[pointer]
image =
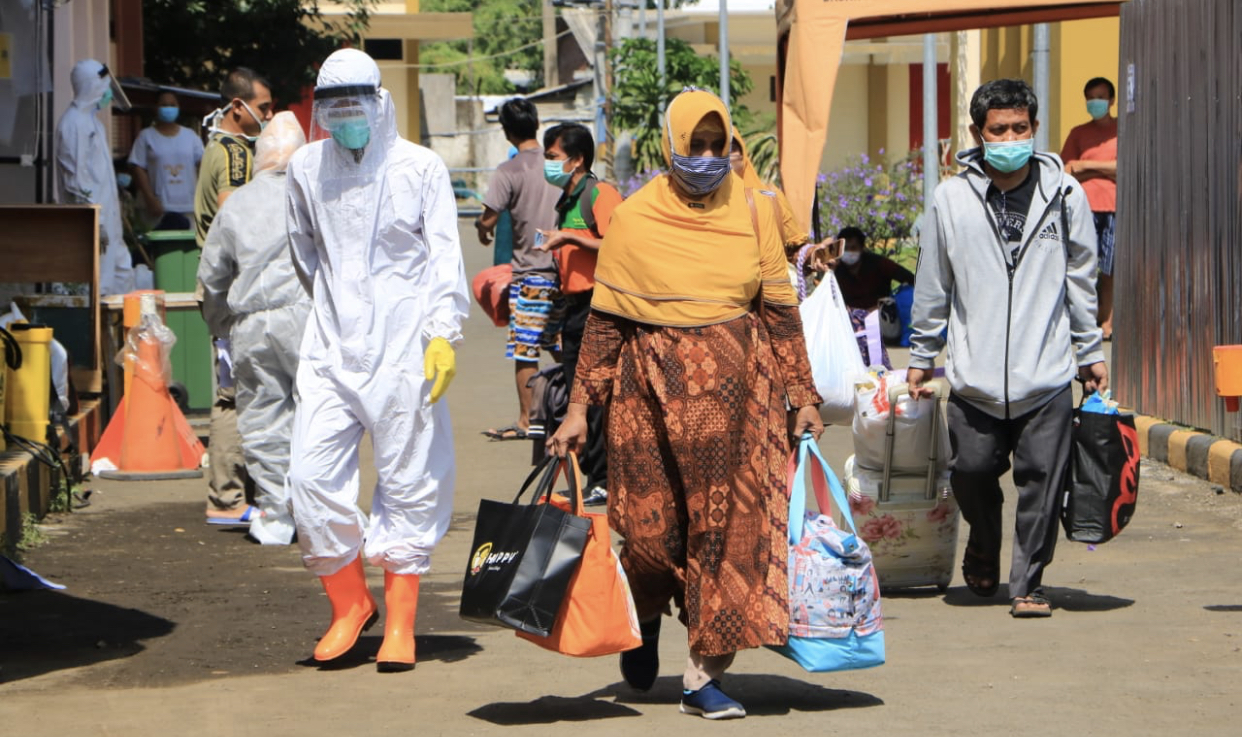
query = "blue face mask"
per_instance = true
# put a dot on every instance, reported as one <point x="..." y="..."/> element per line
<point x="352" y="134"/>
<point x="700" y="175"/>
<point x="1008" y="156"/>
<point x="1097" y="108"/>
<point x="167" y="113"/>
<point x="555" y="174"/>
<point x="106" y="100"/>
<point x="124" y="180"/>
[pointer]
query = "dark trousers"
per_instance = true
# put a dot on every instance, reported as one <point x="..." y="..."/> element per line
<point x="594" y="458"/>
<point x="1039" y="443"/>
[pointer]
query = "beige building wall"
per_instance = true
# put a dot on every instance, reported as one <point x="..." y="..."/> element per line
<point x="1088" y="48"/>
<point x="848" y="131"/>
<point x="897" y="99"/>
<point x="1079" y="51"/>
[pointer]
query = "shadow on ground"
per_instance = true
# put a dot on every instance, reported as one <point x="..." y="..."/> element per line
<point x="1070" y="600"/>
<point x="45" y="631"/>
<point x="427" y="648"/>
<point x="763" y="695"/>
<point x="238" y="608"/>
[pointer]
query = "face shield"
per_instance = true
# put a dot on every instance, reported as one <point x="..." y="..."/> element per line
<point x="113" y="92"/>
<point x="348" y="114"/>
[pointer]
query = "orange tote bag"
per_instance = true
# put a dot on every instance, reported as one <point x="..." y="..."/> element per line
<point x="597" y="616"/>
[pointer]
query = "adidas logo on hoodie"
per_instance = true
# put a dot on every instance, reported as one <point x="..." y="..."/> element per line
<point x="1050" y="232"/>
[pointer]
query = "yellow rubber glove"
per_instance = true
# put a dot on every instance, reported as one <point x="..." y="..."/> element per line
<point x="439" y="366"/>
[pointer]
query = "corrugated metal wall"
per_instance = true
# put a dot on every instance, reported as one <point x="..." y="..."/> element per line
<point x="1179" y="232"/>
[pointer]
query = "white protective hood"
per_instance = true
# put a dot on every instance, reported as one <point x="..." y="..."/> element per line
<point x="84" y="172"/>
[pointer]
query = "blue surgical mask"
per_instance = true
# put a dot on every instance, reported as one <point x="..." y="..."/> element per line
<point x="352" y="134"/>
<point x="106" y="100"/>
<point x="554" y="172"/>
<point x="1008" y="156"/>
<point x="1097" y="108"/>
<point x="167" y="113"/>
<point x="700" y="175"/>
<point x="124" y="180"/>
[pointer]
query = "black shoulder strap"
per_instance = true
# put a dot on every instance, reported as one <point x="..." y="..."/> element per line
<point x="1065" y="231"/>
<point x="586" y="205"/>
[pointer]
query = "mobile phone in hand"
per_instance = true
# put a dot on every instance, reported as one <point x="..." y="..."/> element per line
<point x="834" y="248"/>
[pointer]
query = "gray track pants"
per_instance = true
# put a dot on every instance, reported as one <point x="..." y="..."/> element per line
<point x="1039" y="443"/>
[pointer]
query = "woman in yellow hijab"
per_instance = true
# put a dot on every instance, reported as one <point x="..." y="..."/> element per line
<point x="694" y="344"/>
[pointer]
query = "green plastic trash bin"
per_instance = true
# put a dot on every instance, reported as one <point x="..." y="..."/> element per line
<point x="176" y="270"/>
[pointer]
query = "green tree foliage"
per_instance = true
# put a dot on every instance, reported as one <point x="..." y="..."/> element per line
<point x="638" y="99"/>
<point x="193" y="43"/>
<point x="507" y="35"/>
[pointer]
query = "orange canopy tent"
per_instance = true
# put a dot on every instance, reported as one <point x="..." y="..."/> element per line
<point x="812" y="36"/>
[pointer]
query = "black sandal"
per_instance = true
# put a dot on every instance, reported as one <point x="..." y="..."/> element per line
<point x="1033" y="605"/>
<point x="978" y="570"/>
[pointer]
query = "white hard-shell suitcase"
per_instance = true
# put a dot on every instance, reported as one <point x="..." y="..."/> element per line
<point x="909" y="521"/>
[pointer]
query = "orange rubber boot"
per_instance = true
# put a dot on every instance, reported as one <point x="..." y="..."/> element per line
<point x="401" y="602"/>
<point x="353" y="610"/>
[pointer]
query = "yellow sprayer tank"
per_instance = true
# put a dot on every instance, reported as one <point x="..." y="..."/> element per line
<point x="28" y="389"/>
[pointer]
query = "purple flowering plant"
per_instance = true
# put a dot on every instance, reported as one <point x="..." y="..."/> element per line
<point x="883" y="199"/>
<point x="636" y="182"/>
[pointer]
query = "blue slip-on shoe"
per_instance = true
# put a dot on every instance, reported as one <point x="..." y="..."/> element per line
<point x="710" y="702"/>
<point x="596" y="497"/>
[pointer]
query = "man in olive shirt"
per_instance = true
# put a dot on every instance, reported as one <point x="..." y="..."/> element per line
<point x="227" y="166"/>
<point x="226" y="160"/>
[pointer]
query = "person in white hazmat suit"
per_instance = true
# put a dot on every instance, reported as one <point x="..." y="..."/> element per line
<point x="84" y="173"/>
<point x="373" y="231"/>
<point x="252" y="294"/>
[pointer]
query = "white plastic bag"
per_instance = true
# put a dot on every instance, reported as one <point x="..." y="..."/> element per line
<point x="911" y="431"/>
<point x="836" y="362"/>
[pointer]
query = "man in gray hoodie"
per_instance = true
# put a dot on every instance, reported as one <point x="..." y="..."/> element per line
<point x="1007" y="263"/>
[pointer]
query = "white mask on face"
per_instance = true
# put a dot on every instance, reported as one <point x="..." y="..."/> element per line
<point x="849" y="258"/>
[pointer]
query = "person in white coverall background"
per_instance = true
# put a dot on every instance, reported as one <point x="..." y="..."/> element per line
<point x="252" y="294"/>
<point x="84" y="172"/>
<point x="373" y="231"/>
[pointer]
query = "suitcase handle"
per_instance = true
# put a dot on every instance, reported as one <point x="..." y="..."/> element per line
<point x="895" y="392"/>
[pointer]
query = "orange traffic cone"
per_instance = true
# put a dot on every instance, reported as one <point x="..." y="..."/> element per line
<point x="156" y="442"/>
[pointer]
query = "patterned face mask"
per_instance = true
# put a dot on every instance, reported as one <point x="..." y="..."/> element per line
<point x="700" y="175"/>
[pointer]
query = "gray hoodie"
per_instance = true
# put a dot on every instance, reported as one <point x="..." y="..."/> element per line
<point x="1018" y="330"/>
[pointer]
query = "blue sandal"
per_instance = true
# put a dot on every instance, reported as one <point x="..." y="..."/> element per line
<point x="244" y="519"/>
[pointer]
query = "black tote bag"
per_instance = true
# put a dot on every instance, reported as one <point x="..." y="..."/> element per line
<point x="1102" y="490"/>
<point x="522" y="557"/>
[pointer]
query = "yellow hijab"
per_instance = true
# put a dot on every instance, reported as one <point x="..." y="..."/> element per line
<point x="792" y="235"/>
<point x="680" y="261"/>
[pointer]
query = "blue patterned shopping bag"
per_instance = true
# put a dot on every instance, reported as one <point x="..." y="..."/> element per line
<point x="834" y="595"/>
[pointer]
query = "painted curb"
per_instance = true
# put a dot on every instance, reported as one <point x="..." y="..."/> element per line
<point x="1197" y="453"/>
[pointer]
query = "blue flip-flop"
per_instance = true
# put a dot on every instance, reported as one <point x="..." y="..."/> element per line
<point x="249" y="514"/>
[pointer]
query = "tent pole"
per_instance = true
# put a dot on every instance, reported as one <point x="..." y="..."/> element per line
<point x="1039" y="54"/>
<point x="724" y="53"/>
<point x="931" y="132"/>
<point x="660" y="49"/>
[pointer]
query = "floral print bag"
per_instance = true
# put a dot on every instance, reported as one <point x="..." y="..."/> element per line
<point x="834" y="596"/>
